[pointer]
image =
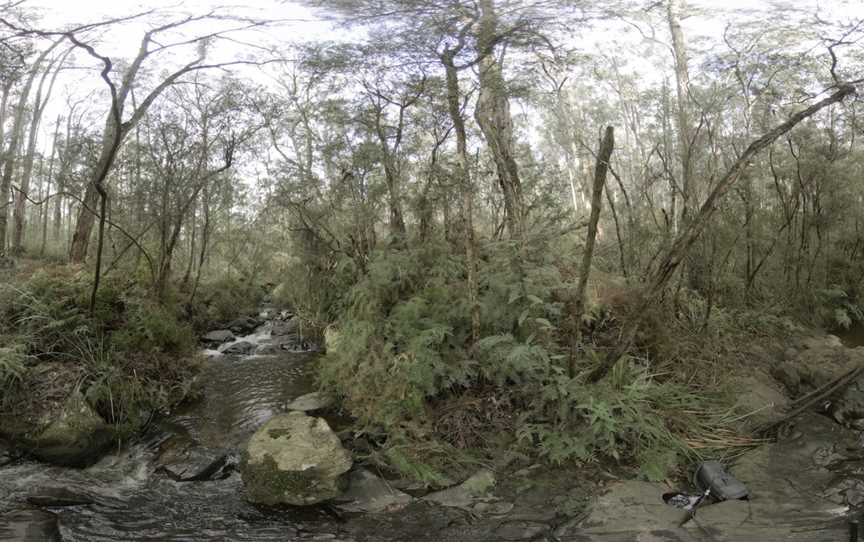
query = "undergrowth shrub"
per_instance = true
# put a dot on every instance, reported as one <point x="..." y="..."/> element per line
<point x="399" y="357"/>
<point x="132" y="356"/>
<point x="13" y="366"/>
<point x="836" y="309"/>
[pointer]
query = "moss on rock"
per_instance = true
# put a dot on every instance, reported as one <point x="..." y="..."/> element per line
<point x="294" y="459"/>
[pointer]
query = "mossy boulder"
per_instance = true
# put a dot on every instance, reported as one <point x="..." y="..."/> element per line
<point x="74" y="435"/>
<point x="294" y="459"/>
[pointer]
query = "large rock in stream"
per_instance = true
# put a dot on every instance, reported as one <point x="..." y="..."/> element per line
<point x="217" y="337"/>
<point x="242" y="348"/>
<point x="73" y="436"/>
<point x="294" y="459"/>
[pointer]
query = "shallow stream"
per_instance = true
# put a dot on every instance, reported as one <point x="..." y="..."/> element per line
<point x="132" y="501"/>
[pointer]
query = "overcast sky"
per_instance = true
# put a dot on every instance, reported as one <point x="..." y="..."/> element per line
<point x="302" y="25"/>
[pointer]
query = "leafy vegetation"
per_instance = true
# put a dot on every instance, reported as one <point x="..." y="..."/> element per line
<point x="429" y="195"/>
<point x="132" y="357"/>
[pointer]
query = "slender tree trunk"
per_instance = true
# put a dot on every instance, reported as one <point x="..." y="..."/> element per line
<point x="10" y="160"/>
<point x="463" y="174"/>
<point x="19" y="217"/>
<point x="600" y="171"/>
<point x="682" y="87"/>
<point x="46" y="202"/>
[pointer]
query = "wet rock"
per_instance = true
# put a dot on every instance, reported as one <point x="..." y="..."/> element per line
<point x="241" y="348"/>
<point x="369" y="493"/>
<point x="466" y="494"/>
<point x="311" y="402"/>
<point x="219" y="336"/>
<point x="520" y="530"/>
<point x="183" y="460"/>
<point x="282" y="328"/>
<point x="59" y="497"/>
<point x="760" y="400"/>
<point x="244" y="325"/>
<point x="822" y="341"/>
<point x="788" y="374"/>
<point x="73" y="436"/>
<point x="269" y="349"/>
<point x="632" y="507"/>
<point x="29" y="526"/>
<point x="496" y="508"/>
<point x="294" y="459"/>
<point x="848" y="406"/>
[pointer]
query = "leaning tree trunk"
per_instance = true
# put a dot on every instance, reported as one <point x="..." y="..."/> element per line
<point x="600" y="171"/>
<point x="694" y="228"/>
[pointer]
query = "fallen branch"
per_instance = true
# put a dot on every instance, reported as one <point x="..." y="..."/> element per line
<point x="802" y="404"/>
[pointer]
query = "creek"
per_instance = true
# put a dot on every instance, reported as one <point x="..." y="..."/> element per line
<point x="804" y="486"/>
<point x="130" y="500"/>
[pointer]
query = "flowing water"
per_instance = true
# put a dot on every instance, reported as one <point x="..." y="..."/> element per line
<point x="131" y="500"/>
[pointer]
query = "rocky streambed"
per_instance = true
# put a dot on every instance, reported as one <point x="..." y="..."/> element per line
<point x="181" y="480"/>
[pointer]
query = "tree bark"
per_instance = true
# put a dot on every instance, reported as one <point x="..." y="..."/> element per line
<point x="682" y="87"/>
<point x="463" y="174"/>
<point x="10" y="159"/>
<point x="45" y="204"/>
<point x="19" y="217"/>
<point x="600" y="171"/>
<point x="493" y="116"/>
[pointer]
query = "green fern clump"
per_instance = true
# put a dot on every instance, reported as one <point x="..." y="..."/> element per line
<point x="13" y="365"/>
<point x="48" y="311"/>
<point x="130" y="355"/>
<point x="399" y="343"/>
<point x="152" y="327"/>
<point x="629" y="417"/>
<point x="403" y="340"/>
<point x="837" y="309"/>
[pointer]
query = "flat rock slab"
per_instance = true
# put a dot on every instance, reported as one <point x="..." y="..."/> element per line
<point x="786" y="479"/>
<point x="218" y="336"/>
<point x="311" y="402"/>
<point x="467" y="494"/>
<point x="369" y="493"/>
<point x="184" y="460"/>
